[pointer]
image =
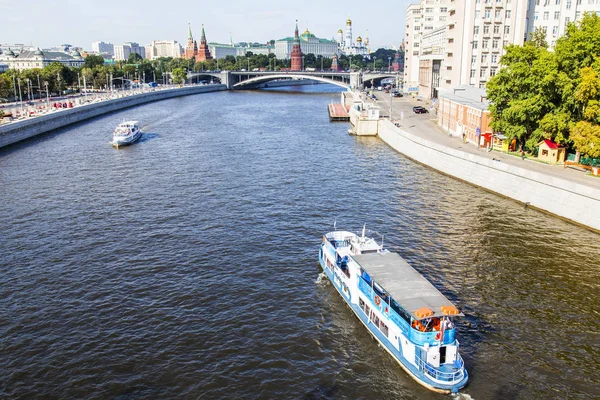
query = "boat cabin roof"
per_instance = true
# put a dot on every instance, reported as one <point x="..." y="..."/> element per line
<point x="128" y="123"/>
<point x="408" y="287"/>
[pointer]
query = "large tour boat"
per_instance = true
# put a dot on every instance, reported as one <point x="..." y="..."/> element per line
<point x="402" y="310"/>
<point x="126" y="133"/>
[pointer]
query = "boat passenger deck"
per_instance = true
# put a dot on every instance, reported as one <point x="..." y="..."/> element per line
<point x="401" y="281"/>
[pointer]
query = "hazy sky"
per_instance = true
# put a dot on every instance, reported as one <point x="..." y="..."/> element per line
<point x="46" y="23"/>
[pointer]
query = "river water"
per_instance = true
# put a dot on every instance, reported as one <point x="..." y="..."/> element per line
<point x="185" y="266"/>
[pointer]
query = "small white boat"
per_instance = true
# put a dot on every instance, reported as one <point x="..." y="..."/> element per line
<point x="127" y="132"/>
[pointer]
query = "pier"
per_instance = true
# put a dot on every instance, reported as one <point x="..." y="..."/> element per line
<point x="338" y="112"/>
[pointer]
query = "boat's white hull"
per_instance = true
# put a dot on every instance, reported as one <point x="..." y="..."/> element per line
<point x="125" y="141"/>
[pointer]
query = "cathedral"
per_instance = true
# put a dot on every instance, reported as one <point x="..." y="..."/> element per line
<point x="345" y="44"/>
<point x="192" y="50"/>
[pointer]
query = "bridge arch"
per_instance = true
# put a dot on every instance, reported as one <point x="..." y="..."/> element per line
<point x="267" y="78"/>
<point x="195" y="77"/>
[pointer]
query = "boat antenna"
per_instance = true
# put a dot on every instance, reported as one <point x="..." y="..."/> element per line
<point x="363" y="232"/>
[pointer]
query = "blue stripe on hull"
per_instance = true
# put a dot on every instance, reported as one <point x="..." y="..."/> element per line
<point x="417" y="375"/>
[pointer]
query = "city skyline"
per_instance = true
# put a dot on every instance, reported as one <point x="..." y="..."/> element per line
<point x="258" y="21"/>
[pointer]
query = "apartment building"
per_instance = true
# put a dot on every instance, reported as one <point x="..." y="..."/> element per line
<point x="553" y="16"/>
<point x="459" y="42"/>
<point x="421" y="19"/>
<point x="478" y="32"/>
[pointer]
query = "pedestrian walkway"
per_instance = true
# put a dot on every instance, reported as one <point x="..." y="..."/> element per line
<point x="425" y="126"/>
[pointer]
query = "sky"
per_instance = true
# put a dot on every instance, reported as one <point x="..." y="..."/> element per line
<point x="45" y="24"/>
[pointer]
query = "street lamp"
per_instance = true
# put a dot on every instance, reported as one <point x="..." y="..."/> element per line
<point x="302" y="63"/>
<point x="20" y="96"/>
<point x="389" y="64"/>
<point x="47" y="97"/>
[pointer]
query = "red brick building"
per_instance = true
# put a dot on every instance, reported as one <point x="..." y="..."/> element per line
<point x="203" y="51"/>
<point x="192" y="50"/>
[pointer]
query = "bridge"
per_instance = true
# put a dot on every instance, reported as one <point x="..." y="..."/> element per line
<point x="257" y="79"/>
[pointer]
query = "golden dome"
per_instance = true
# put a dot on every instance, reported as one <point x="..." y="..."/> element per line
<point x="349" y="22"/>
<point x="340" y="31"/>
<point x="359" y="39"/>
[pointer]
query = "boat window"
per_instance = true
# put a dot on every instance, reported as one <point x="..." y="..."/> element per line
<point x="401" y="312"/>
<point x="384" y="329"/>
<point x="369" y="251"/>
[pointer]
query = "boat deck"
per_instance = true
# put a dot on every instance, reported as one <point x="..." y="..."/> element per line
<point x="408" y="287"/>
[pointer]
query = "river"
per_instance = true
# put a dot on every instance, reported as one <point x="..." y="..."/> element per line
<point x="185" y="266"/>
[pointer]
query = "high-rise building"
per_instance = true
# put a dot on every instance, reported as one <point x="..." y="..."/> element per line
<point x="553" y="16"/>
<point x="103" y="48"/>
<point x="122" y="52"/>
<point x="422" y="19"/>
<point x="296" y="54"/>
<point x="459" y="44"/>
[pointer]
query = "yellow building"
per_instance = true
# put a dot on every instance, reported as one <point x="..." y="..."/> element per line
<point x="551" y="152"/>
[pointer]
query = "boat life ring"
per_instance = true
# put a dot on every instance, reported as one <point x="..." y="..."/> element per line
<point x="438" y="336"/>
<point x="377" y="300"/>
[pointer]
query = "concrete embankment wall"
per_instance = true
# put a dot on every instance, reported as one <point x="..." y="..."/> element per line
<point x="18" y="131"/>
<point x="570" y="200"/>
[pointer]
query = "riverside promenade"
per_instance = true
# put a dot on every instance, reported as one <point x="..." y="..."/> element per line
<point x="28" y="127"/>
<point x="566" y="192"/>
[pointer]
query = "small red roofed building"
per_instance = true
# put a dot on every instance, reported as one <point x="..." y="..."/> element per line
<point x="551" y="152"/>
<point x="334" y="63"/>
<point x="296" y="54"/>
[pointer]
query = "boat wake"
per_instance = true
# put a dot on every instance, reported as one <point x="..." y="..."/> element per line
<point x="321" y="278"/>
<point x="461" y="396"/>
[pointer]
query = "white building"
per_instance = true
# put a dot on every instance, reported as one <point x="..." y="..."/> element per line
<point x="472" y="35"/>
<point x="163" y="48"/>
<point x="103" y="48"/>
<point x="309" y="43"/>
<point x="553" y="16"/>
<point x="122" y="52"/>
<point x="423" y="19"/>
<point x="39" y="59"/>
<point x="349" y="47"/>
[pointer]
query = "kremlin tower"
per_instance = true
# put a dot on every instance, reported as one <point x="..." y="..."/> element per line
<point x="191" y="49"/>
<point x="296" y="53"/>
<point x="203" y="51"/>
<point x="334" y="64"/>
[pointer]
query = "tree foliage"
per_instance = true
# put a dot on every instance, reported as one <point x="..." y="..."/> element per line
<point x="539" y="94"/>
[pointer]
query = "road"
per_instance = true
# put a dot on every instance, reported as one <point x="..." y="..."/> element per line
<point x="425" y="125"/>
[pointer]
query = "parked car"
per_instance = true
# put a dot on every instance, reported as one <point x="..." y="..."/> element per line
<point x="397" y="94"/>
<point x="420" y="110"/>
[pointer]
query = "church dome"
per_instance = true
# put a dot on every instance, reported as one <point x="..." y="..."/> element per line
<point x="340" y="31"/>
<point x="359" y="39"/>
<point x="349" y="22"/>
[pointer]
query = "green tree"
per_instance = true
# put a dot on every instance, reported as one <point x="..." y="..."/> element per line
<point x="92" y="61"/>
<point x="523" y="92"/>
<point x="134" y="58"/>
<point x="179" y="75"/>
